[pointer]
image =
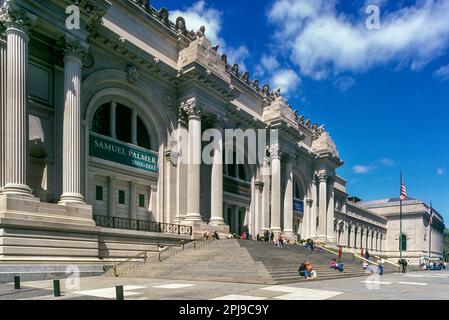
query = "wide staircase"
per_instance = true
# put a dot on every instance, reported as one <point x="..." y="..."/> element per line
<point x="222" y="260"/>
<point x="283" y="263"/>
<point x="244" y="261"/>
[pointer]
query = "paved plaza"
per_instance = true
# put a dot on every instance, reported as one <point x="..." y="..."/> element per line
<point x="421" y="285"/>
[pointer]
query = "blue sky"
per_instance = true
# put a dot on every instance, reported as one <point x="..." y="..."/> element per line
<point x="383" y="94"/>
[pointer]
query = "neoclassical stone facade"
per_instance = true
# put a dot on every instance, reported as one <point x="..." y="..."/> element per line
<point x="88" y="121"/>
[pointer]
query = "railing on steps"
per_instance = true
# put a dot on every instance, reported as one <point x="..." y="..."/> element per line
<point x="163" y="255"/>
<point x="171" y="252"/>
<point x="354" y="255"/>
<point x="131" y="263"/>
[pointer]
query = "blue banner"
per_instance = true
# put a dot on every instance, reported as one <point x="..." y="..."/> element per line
<point x="298" y="205"/>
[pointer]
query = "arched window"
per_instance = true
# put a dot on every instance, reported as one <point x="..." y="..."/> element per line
<point x="403" y="242"/>
<point x="123" y="123"/>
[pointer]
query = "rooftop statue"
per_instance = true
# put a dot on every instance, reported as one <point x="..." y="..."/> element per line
<point x="181" y="25"/>
<point x="163" y="15"/>
<point x="224" y="58"/>
<point x="256" y="85"/>
<point x="201" y="32"/>
<point x="235" y="69"/>
<point x="266" y="89"/>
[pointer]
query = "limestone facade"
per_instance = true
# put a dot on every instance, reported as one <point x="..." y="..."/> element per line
<point x="88" y="121"/>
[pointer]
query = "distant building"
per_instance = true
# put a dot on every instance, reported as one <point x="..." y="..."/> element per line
<point x="417" y="234"/>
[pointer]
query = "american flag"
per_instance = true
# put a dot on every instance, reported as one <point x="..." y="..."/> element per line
<point x="403" y="191"/>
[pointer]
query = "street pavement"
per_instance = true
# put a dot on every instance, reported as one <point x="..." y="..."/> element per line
<point x="422" y="285"/>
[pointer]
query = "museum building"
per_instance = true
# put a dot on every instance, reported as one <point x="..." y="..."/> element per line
<point x="88" y="121"/>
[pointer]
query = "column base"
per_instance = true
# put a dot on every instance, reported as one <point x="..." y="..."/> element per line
<point x="193" y="217"/>
<point x="179" y="220"/>
<point x="217" y="222"/>
<point x="276" y="231"/>
<point x="71" y="198"/>
<point x="290" y="235"/>
<point x="17" y="189"/>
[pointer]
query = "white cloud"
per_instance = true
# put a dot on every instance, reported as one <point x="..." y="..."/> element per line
<point x="441" y="171"/>
<point x="442" y="72"/>
<point x="361" y="169"/>
<point x="344" y="84"/>
<point x="386" y="162"/>
<point x="322" y="41"/>
<point x="364" y="169"/>
<point x="286" y="79"/>
<point x="199" y="14"/>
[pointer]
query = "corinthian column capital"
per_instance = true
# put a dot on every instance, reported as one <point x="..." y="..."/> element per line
<point x="321" y="176"/>
<point x="14" y="17"/>
<point x="190" y="109"/>
<point x="73" y="48"/>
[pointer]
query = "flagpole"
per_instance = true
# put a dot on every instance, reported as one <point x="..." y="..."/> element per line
<point x="430" y="230"/>
<point x="400" y="219"/>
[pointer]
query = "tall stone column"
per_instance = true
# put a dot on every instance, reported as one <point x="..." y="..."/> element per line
<point x="288" y="199"/>
<point x="71" y="163"/>
<point x="322" y="223"/>
<point x="3" y="55"/>
<point x="330" y="209"/>
<point x="275" y="190"/>
<point x="308" y="216"/>
<point x="181" y="171"/>
<point x="314" y="210"/>
<point x="194" y="162"/>
<point x="217" y="183"/>
<point x="352" y="237"/>
<point x="17" y="23"/>
<point x="265" y="173"/>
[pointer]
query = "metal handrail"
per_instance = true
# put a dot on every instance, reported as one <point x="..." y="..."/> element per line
<point x="171" y="252"/>
<point x="134" y="265"/>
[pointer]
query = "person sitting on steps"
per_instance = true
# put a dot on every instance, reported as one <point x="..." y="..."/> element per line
<point x="337" y="266"/>
<point x="302" y="271"/>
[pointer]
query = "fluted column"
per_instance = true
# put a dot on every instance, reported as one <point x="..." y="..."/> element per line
<point x="265" y="173"/>
<point x="313" y="214"/>
<point x="352" y="237"/>
<point x="181" y="171"/>
<point x="194" y="162"/>
<point x="3" y="55"/>
<point x="330" y="208"/>
<point x="288" y="199"/>
<point x="217" y="183"/>
<point x="322" y="223"/>
<point x="71" y="163"/>
<point x="275" y="190"/>
<point x="17" y="24"/>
